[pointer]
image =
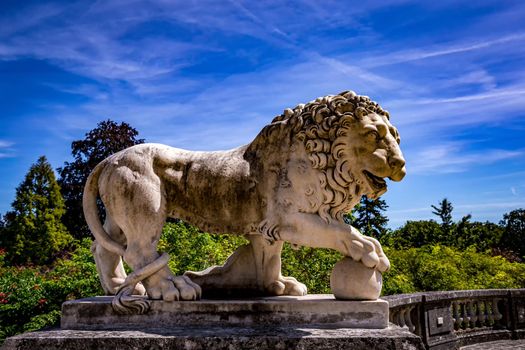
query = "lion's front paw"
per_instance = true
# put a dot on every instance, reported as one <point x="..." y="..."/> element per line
<point x="287" y="286"/>
<point x="164" y="285"/>
<point x="368" y="250"/>
<point x="384" y="264"/>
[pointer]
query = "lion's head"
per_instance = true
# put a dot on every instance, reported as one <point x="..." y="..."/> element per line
<point x="350" y="141"/>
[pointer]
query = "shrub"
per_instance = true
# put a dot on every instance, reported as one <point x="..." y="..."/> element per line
<point x="433" y="268"/>
<point x="192" y="250"/>
<point x="31" y="297"/>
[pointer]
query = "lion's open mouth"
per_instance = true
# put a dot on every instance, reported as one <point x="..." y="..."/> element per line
<point x="376" y="183"/>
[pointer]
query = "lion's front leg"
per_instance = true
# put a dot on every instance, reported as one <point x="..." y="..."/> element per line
<point x="311" y="231"/>
<point x="267" y="258"/>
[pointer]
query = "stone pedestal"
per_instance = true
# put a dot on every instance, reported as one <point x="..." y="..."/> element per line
<point x="223" y="338"/>
<point x="309" y="322"/>
<point x="317" y="309"/>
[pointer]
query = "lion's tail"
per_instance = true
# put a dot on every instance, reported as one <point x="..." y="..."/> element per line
<point x="89" y="203"/>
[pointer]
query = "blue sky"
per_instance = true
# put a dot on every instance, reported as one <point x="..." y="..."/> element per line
<point x="208" y="75"/>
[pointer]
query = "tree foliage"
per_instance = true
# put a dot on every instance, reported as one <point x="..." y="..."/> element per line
<point x="194" y="250"/>
<point x="414" y="234"/>
<point x="31" y="297"/>
<point x="107" y="138"/>
<point x="369" y="218"/>
<point x="482" y="236"/>
<point x="514" y="231"/>
<point x="437" y="267"/>
<point x="33" y="230"/>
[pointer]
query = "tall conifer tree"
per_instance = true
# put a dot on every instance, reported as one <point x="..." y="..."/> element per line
<point x="368" y="217"/>
<point x="33" y="230"/>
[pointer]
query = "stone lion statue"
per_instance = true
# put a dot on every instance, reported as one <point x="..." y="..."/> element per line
<point x="293" y="183"/>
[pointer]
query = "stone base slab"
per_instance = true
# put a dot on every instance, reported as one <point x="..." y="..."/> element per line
<point x="227" y="338"/>
<point x="318" y="309"/>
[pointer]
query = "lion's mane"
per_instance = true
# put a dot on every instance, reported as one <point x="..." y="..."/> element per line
<point x="322" y="125"/>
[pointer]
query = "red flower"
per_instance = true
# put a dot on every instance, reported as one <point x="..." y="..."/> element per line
<point x="42" y="301"/>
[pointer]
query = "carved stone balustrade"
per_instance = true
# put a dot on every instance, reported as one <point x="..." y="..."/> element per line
<point x="447" y="320"/>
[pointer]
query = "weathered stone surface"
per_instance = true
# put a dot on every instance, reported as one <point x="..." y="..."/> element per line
<point x="497" y="345"/>
<point x="294" y="182"/>
<point x="97" y="313"/>
<point x="454" y="319"/>
<point x="227" y="338"/>
<point x="351" y="280"/>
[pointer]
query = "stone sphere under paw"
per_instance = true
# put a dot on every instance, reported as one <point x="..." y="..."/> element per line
<point x="352" y="280"/>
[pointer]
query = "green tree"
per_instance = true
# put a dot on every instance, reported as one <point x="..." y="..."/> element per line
<point x="444" y="211"/>
<point x="514" y="231"/>
<point x="414" y="234"/>
<point x="34" y="231"/>
<point x="483" y="236"/>
<point x="107" y="138"/>
<point x="369" y="217"/>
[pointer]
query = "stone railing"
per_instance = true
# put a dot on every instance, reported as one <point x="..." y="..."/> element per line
<point x="447" y="320"/>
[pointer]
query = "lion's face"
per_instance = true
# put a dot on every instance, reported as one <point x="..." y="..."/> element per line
<point x="375" y="145"/>
<point x="350" y="145"/>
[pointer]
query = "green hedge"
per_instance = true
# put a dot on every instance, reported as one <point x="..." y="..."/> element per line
<point x="31" y="297"/>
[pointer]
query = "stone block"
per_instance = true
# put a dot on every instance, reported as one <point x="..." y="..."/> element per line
<point x="223" y="338"/>
<point x="318" y="309"/>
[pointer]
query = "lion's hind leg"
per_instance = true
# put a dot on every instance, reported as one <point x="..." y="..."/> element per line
<point x="109" y="265"/>
<point x="141" y="251"/>
<point x="141" y="220"/>
<point x="134" y="198"/>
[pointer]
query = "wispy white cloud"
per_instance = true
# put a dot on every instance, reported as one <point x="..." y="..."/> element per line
<point x="25" y="20"/>
<point x="6" y="150"/>
<point x="491" y="206"/>
<point x="454" y="158"/>
<point x="450" y="113"/>
<point x="5" y="144"/>
<point x="91" y="46"/>
<point x="437" y="51"/>
<point x="462" y="207"/>
<point x="494" y="94"/>
<point x="477" y="77"/>
<point x="239" y="105"/>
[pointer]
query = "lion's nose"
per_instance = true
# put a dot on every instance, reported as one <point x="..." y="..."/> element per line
<point x="396" y="162"/>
